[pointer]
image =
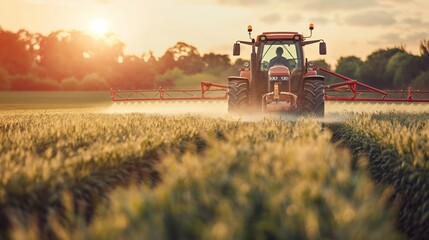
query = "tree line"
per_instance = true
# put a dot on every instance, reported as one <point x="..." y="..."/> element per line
<point x="391" y="68"/>
<point x="74" y="60"/>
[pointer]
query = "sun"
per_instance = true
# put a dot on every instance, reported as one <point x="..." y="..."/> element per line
<point x="99" y="26"/>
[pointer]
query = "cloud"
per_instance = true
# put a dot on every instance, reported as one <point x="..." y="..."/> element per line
<point x="417" y="36"/>
<point x="242" y="3"/>
<point x="271" y="18"/>
<point x="387" y="38"/>
<point x="413" y="22"/>
<point x="396" y="2"/>
<point x="55" y="2"/>
<point x="294" y="18"/>
<point x="341" y="4"/>
<point x="64" y="2"/>
<point x="371" y="18"/>
<point x="319" y="20"/>
<point x="398" y="38"/>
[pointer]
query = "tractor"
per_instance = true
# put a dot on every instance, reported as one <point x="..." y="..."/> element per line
<point x="278" y="78"/>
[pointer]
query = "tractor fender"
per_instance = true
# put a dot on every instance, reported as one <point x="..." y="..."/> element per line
<point x="245" y="74"/>
<point x="312" y="75"/>
<point x="231" y="78"/>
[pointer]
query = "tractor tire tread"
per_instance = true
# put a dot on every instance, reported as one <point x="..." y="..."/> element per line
<point x="238" y="95"/>
<point x="313" y="100"/>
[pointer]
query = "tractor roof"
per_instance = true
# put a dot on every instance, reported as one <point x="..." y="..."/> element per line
<point x="279" y="36"/>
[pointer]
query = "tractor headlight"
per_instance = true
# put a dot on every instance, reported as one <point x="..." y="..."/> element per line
<point x="284" y="78"/>
<point x="310" y="66"/>
<point x="274" y="78"/>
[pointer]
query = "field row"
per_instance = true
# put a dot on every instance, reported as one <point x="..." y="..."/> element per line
<point x="45" y="157"/>
<point x="397" y="146"/>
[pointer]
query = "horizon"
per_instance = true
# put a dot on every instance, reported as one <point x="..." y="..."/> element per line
<point x="350" y="29"/>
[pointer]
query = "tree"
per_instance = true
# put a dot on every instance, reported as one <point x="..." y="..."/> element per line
<point x="187" y="58"/>
<point x="65" y="54"/>
<point x="218" y="65"/>
<point x="424" y="53"/>
<point x="239" y="63"/>
<point x="170" y="78"/>
<point x="401" y="69"/>
<point x="374" y="68"/>
<point x="16" y="56"/>
<point x="350" y="67"/>
<point x="166" y="62"/>
<point x="216" y="62"/>
<point x="5" y="83"/>
<point x="133" y="73"/>
<point x="422" y="81"/>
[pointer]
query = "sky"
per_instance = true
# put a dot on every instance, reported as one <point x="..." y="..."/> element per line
<point x="349" y="27"/>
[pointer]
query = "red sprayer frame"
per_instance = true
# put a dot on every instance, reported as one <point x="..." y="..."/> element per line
<point x="355" y="90"/>
<point x="351" y="86"/>
<point x="218" y="90"/>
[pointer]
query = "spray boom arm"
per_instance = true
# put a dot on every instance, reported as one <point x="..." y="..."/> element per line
<point x="353" y="90"/>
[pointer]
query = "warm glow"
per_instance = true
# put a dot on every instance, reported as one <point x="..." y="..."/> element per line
<point x="99" y="26"/>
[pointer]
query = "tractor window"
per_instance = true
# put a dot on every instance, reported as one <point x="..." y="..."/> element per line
<point x="280" y="52"/>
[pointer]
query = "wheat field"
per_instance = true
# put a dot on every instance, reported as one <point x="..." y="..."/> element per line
<point x="73" y="174"/>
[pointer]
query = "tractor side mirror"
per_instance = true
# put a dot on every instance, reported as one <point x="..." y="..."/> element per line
<point x="322" y="48"/>
<point x="236" y="50"/>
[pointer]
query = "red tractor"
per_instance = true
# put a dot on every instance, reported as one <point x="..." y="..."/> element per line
<point x="278" y="78"/>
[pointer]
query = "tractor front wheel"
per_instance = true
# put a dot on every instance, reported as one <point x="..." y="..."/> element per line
<point x="313" y="101"/>
<point x="238" y="95"/>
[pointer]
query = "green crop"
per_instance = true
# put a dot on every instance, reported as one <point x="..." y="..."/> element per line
<point x="397" y="146"/>
<point x="138" y="176"/>
<point x="47" y="156"/>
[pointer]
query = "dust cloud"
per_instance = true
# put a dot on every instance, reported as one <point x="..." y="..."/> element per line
<point x="335" y="112"/>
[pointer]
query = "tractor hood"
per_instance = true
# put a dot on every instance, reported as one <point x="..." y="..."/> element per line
<point x="278" y="72"/>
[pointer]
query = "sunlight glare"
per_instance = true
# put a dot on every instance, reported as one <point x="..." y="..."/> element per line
<point x="99" y="26"/>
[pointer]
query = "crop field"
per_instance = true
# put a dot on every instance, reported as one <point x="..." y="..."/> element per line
<point x="68" y="174"/>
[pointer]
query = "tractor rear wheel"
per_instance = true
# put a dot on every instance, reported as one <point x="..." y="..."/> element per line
<point x="313" y="101"/>
<point x="238" y="95"/>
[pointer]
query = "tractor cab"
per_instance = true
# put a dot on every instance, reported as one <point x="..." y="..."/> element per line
<point x="278" y="60"/>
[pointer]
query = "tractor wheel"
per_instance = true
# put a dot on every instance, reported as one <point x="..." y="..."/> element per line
<point x="238" y="95"/>
<point x="313" y="101"/>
